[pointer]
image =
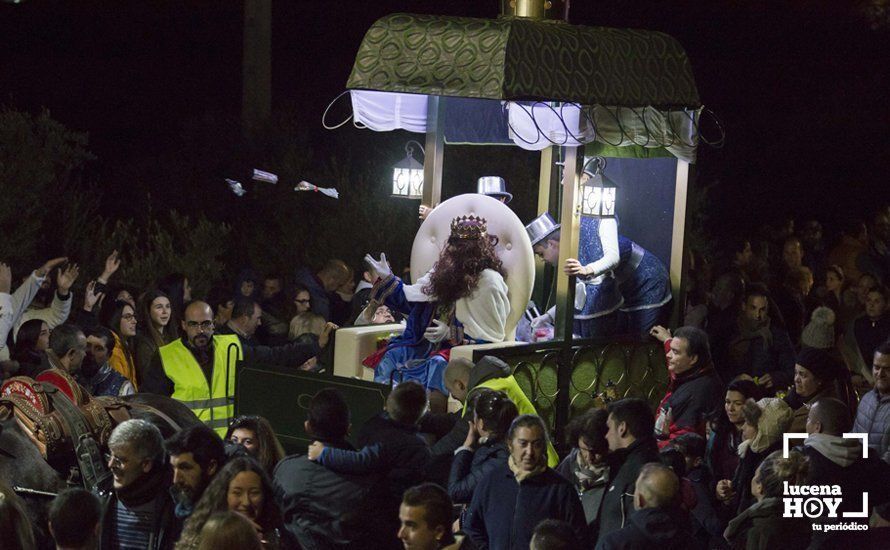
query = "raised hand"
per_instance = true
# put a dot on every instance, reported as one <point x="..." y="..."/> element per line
<point x="660" y="333"/>
<point x="65" y="278"/>
<point x="92" y="297"/>
<point x="112" y="264"/>
<point x="380" y="267"/>
<point x="43" y="270"/>
<point x="424" y="211"/>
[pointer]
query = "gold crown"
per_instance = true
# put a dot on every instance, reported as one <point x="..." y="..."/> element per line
<point x="468" y="227"/>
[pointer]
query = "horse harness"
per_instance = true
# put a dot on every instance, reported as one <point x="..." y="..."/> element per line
<point x="63" y="420"/>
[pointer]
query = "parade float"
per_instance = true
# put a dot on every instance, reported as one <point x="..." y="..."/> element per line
<point x="621" y="99"/>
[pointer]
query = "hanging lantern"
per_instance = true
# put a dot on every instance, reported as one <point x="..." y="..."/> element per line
<point x="407" y="175"/>
<point x="599" y="192"/>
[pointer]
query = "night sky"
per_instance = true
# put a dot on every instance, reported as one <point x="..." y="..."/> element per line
<point x="800" y="87"/>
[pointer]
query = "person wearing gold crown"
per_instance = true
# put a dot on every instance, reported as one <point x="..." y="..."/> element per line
<point x="461" y="300"/>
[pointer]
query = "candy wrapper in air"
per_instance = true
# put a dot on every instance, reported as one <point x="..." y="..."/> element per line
<point x="306" y="186"/>
<point x="236" y="187"/>
<point x="268" y="177"/>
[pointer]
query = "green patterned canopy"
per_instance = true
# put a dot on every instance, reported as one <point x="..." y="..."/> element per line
<point x="521" y="59"/>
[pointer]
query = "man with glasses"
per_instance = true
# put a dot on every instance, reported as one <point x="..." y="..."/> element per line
<point x="138" y="513"/>
<point x="199" y="368"/>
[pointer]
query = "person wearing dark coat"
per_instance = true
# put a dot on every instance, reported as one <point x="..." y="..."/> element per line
<point x="139" y="512"/>
<point x="294" y="354"/>
<point x="693" y="388"/>
<point x="391" y="449"/>
<point x="632" y="445"/>
<point x="658" y="521"/>
<point x="837" y="460"/>
<point x="464" y="380"/>
<point x="707" y="525"/>
<point x="754" y="343"/>
<point x="762" y="526"/>
<point x="765" y="423"/>
<point x="322" y="508"/>
<point x="514" y="497"/>
<point x="484" y="448"/>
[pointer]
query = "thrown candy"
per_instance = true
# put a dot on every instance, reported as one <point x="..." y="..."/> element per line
<point x="236" y="187"/>
<point x="259" y="175"/>
<point x="306" y="186"/>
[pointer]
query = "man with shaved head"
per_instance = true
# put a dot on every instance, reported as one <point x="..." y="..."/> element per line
<point x="838" y="460"/>
<point x="658" y="521"/>
<point x="199" y="368"/>
<point x="464" y="380"/>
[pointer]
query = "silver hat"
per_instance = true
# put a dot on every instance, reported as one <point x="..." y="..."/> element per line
<point x="493" y="186"/>
<point x="541" y="227"/>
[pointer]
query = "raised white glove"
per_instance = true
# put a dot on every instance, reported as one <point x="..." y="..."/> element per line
<point x="381" y="266"/>
<point x="437" y="332"/>
<point x="544" y="319"/>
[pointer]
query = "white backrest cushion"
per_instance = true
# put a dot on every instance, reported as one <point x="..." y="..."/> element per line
<point x="514" y="248"/>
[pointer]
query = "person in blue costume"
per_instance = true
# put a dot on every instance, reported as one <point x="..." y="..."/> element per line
<point x="615" y="275"/>
<point x="597" y="297"/>
<point x="461" y="300"/>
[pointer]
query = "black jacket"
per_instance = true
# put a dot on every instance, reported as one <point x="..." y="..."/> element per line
<point x="290" y="355"/>
<point x="503" y="513"/>
<point x="618" y="501"/>
<point x="468" y="468"/>
<point x="707" y="525"/>
<point x="660" y="528"/>
<point x="393" y="451"/>
<point x="324" y="509"/>
<point x="744" y="473"/>
<point x="690" y="398"/>
<point x="762" y="527"/>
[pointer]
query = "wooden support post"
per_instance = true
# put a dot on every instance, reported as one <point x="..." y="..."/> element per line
<point x="568" y="243"/>
<point x="434" y="154"/>
<point x="678" y="242"/>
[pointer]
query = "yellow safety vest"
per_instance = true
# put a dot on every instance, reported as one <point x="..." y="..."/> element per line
<point x="213" y="405"/>
<point x="508" y="385"/>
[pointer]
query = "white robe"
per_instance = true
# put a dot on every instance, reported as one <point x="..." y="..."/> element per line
<point x="483" y="313"/>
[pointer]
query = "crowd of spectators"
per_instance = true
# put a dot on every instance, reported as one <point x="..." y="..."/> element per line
<point x="782" y="335"/>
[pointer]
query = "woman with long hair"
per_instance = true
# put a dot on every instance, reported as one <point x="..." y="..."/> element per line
<point x="255" y="434"/>
<point x="484" y="447"/>
<point x="120" y="318"/>
<point x="176" y="286"/>
<point x="241" y="486"/>
<point x="463" y="299"/>
<point x="30" y="346"/>
<point x="156" y="324"/>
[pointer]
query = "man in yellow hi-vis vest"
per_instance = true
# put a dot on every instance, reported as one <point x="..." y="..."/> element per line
<point x="464" y="380"/>
<point x="199" y="368"/>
